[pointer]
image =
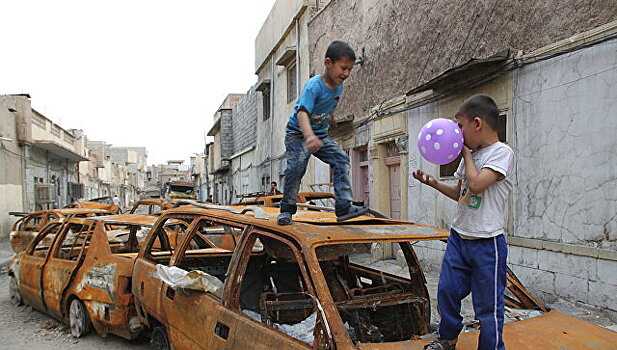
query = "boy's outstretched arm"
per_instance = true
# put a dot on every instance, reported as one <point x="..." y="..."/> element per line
<point x="313" y="143"/>
<point x="451" y="191"/>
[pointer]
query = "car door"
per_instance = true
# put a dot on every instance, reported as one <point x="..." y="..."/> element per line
<point x="31" y="266"/>
<point x="157" y="249"/>
<point x="209" y="326"/>
<point x="66" y="256"/>
<point x="259" y="279"/>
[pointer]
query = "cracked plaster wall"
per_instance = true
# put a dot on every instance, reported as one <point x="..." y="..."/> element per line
<point x="566" y="113"/>
<point x="565" y="122"/>
<point x="566" y="191"/>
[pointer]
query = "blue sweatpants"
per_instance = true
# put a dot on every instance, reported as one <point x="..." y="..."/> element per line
<point x="477" y="266"/>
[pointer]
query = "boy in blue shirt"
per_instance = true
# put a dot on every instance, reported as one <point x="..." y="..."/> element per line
<point x="307" y="133"/>
<point x="475" y="257"/>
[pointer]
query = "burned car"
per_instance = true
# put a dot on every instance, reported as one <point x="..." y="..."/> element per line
<point x="151" y="206"/>
<point x="312" y="284"/>
<point x="95" y="205"/>
<point x="315" y="198"/>
<point x="26" y="228"/>
<point x="79" y="271"/>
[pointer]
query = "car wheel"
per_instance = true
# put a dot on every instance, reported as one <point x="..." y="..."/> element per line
<point x="16" y="298"/>
<point x="79" y="321"/>
<point x="158" y="339"/>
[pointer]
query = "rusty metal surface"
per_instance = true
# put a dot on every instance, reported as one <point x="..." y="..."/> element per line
<point x="552" y="330"/>
<point x="20" y="238"/>
<point x="272" y="200"/>
<point x="128" y="219"/>
<point x="95" y="205"/>
<point x="98" y="272"/>
<point x="312" y="227"/>
<point x="161" y="202"/>
<point x="323" y="291"/>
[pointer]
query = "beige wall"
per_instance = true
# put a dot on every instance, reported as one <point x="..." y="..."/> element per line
<point x="271" y="132"/>
<point x="11" y="201"/>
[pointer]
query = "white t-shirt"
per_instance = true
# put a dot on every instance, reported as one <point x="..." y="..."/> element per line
<point x="482" y="215"/>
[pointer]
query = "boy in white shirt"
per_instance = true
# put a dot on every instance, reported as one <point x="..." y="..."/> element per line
<point x="475" y="257"/>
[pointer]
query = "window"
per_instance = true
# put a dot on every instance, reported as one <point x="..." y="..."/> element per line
<point x="45" y="239"/>
<point x="274" y="289"/>
<point x="168" y="235"/>
<point x="265" y="99"/>
<point x="75" y="240"/>
<point x="379" y="302"/>
<point x="209" y="250"/>
<point x="449" y="169"/>
<point x="33" y="223"/>
<point x="292" y="83"/>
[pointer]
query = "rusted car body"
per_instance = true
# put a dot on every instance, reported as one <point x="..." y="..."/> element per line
<point x="151" y="206"/>
<point x="79" y="271"/>
<point x="308" y="285"/>
<point x="25" y="229"/>
<point x="112" y="208"/>
<point x="318" y="198"/>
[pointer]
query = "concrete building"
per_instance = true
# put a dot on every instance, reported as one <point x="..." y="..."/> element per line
<point x="282" y="67"/>
<point x="419" y="61"/>
<point x="39" y="160"/>
<point x="222" y="149"/>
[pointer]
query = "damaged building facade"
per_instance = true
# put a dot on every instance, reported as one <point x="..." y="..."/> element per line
<point x="555" y="90"/>
<point x="44" y="166"/>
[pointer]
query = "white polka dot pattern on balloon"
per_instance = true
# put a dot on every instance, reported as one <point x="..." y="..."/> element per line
<point x="423" y="149"/>
<point x="455" y="145"/>
<point x="451" y="156"/>
<point x="457" y="131"/>
<point x="439" y="132"/>
<point x="429" y="124"/>
<point x="428" y="137"/>
<point x="437" y="145"/>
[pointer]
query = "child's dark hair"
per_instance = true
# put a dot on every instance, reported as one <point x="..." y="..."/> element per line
<point x="339" y="49"/>
<point x="482" y="106"/>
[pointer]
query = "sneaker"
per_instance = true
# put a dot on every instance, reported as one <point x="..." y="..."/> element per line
<point x="284" y="219"/>
<point x="354" y="211"/>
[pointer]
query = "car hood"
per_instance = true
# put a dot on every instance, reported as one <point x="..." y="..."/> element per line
<point x="552" y="330"/>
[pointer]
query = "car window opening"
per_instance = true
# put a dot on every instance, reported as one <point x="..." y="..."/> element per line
<point x="375" y="305"/>
<point x="274" y="292"/>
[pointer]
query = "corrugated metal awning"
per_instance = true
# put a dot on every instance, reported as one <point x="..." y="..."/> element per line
<point x="467" y="75"/>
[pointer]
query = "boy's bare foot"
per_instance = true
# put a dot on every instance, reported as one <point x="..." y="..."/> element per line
<point x="284" y="219"/>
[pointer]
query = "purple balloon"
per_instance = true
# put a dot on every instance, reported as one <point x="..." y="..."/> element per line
<point x="440" y="141"/>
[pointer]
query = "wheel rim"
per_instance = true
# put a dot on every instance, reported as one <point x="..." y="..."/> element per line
<point x="77" y="318"/>
<point x="158" y="340"/>
<point x="14" y="292"/>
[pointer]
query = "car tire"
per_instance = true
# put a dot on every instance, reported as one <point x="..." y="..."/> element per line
<point x="159" y="339"/>
<point x="16" y="298"/>
<point x="79" y="320"/>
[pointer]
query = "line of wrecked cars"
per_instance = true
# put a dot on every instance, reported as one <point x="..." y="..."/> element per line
<point x="203" y="276"/>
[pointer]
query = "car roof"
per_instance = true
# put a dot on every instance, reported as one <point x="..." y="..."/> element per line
<point x="157" y="201"/>
<point x="70" y="211"/>
<point x="126" y="219"/>
<point x="316" y="228"/>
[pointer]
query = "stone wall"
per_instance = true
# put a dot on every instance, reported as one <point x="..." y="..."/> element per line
<point x="227" y="142"/>
<point x="409" y="42"/>
<point x="244" y="122"/>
